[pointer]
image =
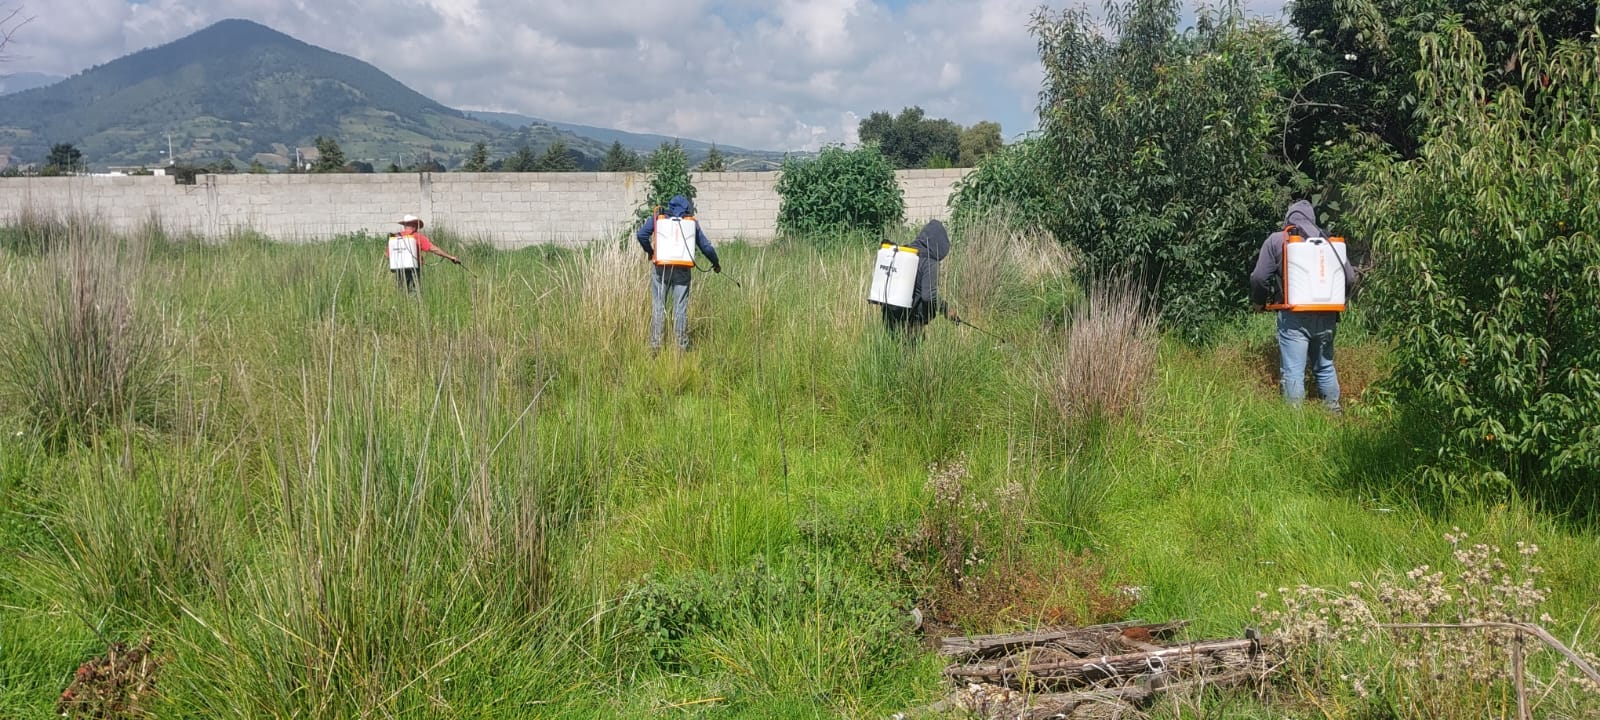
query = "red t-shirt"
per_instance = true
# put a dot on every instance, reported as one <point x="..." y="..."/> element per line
<point x="423" y="244"/>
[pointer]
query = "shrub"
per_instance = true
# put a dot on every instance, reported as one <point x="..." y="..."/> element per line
<point x="1012" y="183"/>
<point x="1486" y="270"/>
<point x="1110" y="356"/>
<point x="839" y="191"/>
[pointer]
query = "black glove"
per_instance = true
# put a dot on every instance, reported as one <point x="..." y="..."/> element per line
<point x="716" y="267"/>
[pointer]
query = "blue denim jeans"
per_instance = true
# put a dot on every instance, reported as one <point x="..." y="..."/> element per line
<point x="1302" y="336"/>
<point x="673" y="281"/>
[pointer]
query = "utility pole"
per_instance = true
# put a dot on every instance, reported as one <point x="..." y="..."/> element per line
<point x="170" y="159"/>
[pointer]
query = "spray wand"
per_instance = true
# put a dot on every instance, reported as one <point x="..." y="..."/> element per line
<point x="957" y="320"/>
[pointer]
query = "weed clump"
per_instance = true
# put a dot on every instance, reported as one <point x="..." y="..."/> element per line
<point x="1112" y="345"/>
<point x="83" y="358"/>
<point x="1363" y="645"/>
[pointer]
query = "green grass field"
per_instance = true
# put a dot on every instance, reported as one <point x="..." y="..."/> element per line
<point x="325" y="498"/>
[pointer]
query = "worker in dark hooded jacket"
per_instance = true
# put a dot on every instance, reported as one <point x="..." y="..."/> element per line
<point x="1301" y="335"/>
<point x="932" y="245"/>
<point x="666" y="239"/>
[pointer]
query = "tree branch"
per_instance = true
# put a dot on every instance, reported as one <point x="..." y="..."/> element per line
<point x="1529" y="628"/>
<point x="9" y="25"/>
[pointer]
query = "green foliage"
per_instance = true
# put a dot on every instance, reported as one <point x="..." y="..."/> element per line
<point x="714" y="161"/>
<point x="478" y="160"/>
<point x="1357" y="60"/>
<point x="911" y="140"/>
<point x="621" y="159"/>
<point x="330" y="158"/>
<point x="523" y="160"/>
<point x="669" y="176"/>
<point x="1489" y="269"/>
<point x="1015" y="181"/>
<point x="1156" y="152"/>
<point x="557" y="158"/>
<point x="978" y="142"/>
<point x="63" y="159"/>
<point x="839" y="191"/>
<point x="665" y="616"/>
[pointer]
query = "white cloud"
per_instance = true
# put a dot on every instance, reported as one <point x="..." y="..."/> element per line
<point x="791" y="74"/>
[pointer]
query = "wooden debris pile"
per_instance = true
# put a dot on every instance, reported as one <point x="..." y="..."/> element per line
<point x="1104" y="671"/>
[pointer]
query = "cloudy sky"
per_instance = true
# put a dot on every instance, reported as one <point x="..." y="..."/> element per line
<point x="767" y="74"/>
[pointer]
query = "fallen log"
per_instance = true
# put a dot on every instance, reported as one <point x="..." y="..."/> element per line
<point x="1071" y="705"/>
<point x="1083" y="641"/>
<point x="1179" y="659"/>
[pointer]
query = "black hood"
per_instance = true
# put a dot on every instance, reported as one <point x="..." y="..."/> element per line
<point x="932" y="241"/>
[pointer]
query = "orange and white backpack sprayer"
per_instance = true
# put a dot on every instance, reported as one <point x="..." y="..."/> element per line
<point x="894" y="276"/>
<point x="1313" y="273"/>
<point x="674" y="242"/>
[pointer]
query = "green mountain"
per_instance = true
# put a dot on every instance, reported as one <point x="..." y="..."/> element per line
<point x="243" y="91"/>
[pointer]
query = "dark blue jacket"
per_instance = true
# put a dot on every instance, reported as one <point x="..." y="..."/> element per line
<point x="678" y="207"/>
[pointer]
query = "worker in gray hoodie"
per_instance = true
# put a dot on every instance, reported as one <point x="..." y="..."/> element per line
<point x="1302" y="335"/>
<point x="670" y="238"/>
<point x="932" y="245"/>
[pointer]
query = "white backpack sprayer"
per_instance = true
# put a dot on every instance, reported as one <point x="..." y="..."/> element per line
<point x="894" y="276"/>
<point x="402" y="252"/>
<point x="1313" y="273"/>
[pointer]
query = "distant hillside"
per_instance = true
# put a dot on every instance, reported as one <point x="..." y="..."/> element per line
<point x="244" y="91"/>
<point x="740" y="158"/>
<point x="26" y="81"/>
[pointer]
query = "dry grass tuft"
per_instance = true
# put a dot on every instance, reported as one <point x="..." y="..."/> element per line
<point x="992" y="258"/>
<point x="1112" y="344"/>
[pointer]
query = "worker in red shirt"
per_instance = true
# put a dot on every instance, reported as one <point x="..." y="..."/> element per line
<point x="405" y="253"/>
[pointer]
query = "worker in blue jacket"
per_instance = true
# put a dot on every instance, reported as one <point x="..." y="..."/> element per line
<point x="670" y="239"/>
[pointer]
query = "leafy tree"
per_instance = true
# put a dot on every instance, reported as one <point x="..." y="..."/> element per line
<point x="839" y="191"/>
<point x="63" y="159"/>
<point x="394" y="167"/>
<point x="478" y="159"/>
<point x="359" y="166"/>
<point x="1157" y="151"/>
<point x="1488" y="275"/>
<point x="978" y="142"/>
<point x="911" y="140"/>
<point x="669" y="176"/>
<point x="224" y="166"/>
<point x="1356" y="61"/>
<point x="714" y="161"/>
<point x="523" y="160"/>
<point x="557" y="158"/>
<point x="330" y="159"/>
<point x="256" y="168"/>
<point x="621" y="159"/>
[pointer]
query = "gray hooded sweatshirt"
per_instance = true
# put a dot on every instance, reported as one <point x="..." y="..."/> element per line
<point x="1265" y="279"/>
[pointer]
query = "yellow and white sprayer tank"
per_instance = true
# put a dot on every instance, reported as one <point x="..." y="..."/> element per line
<point x="894" y="276"/>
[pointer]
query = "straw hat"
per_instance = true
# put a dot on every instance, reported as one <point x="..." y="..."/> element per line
<point x="409" y="218"/>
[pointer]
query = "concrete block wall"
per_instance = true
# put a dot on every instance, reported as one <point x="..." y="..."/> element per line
<point x="508" y="209"/>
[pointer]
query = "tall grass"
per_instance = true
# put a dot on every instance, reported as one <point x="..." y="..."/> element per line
<point x="88" y="356"/>
<point x="487" y="500"/>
